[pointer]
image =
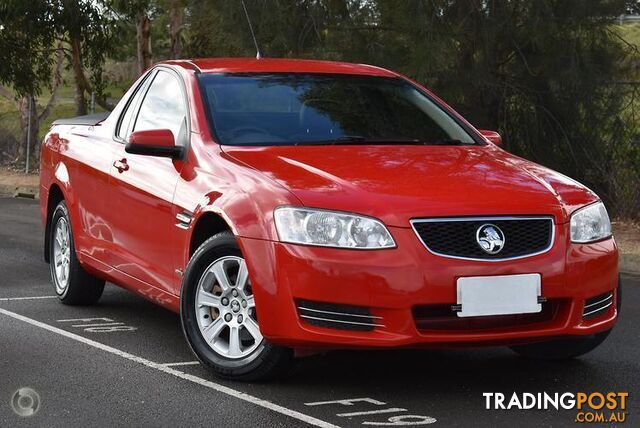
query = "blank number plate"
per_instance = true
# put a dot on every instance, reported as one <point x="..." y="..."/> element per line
<point x="499" y="295"/>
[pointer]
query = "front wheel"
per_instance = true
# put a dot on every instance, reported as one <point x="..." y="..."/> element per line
<point x="562" y="349"/>
<point x="219" y="318"/>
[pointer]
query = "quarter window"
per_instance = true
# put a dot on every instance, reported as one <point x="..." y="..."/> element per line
<point x="124" y="128"/>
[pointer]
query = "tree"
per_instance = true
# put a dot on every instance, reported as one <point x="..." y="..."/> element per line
<point x="31" y="61"/>
<point x="27" y="38"/>
<point x="220" y="28"/>
<point x="87" y="30"/>
<point x="552" y="76"/>
<point x="140" y="13"/>
<point x="176" y="25"/>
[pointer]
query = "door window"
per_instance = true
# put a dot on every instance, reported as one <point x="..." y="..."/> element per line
<point x="163" y="107"/>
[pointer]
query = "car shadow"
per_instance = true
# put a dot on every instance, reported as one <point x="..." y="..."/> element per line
<point x="491" y="369"/>
<point x="418" y="371"/>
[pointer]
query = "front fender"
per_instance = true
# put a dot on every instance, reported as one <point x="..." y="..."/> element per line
<point x="243" y="197"/>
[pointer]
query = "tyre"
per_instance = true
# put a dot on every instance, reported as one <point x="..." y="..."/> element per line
<point x="73" y="285"/>
<point x="219" y="319"/>
<point x="562" y="349"/>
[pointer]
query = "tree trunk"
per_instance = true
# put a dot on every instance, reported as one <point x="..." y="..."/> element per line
<point x="56" y="80"/>
<point x="176" y="17"/>
<point x="104" y="103"/>
<point x="28" y="113"/>
<point x="79" y="78"/>
<point x="143" y="36"/>
<point x="83" y="87"/>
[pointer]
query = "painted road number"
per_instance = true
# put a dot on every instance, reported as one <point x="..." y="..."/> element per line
<point x="397" y="420"/>
<point x="98" y="325"/>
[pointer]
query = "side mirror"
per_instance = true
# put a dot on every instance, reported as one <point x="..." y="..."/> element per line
<point x="492" y="136"/>
<point x="154" y="142"/>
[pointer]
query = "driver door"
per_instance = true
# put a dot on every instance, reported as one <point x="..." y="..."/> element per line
<point x="143" y="187"/>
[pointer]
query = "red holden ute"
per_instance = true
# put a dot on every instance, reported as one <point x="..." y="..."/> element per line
<point x="283" y="207"/>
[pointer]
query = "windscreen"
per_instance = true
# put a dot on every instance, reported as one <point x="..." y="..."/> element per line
<point x="291" y="109"/>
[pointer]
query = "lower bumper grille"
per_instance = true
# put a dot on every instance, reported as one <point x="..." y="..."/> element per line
<point x="341" y="317"/>
<point x="443" y="318"/>
<point x="597" y="305"/>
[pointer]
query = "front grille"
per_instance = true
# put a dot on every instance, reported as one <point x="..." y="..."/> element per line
<point x="457" y="237"/>
<point x="341" y="317"/>
<point x="443" y="318"/>
<point x="597" y="306"/>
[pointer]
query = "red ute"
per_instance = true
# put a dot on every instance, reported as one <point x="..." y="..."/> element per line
<point x="286" y="205"/>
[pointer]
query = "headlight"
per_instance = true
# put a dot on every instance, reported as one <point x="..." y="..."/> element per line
<point x="590" y="224"/>
<point x="330" y="229"/>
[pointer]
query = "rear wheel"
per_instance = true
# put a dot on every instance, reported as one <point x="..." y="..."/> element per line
<point x="73" y="285"/>
<point x="562" y="349"/>
<point x="219" y="318"/>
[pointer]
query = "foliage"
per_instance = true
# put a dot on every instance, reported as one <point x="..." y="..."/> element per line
<point x="27" y="34"/>
<point x="560" y="79"/>
<point x="285" y="29"/>
<point x="552" y="76"/>
<point x="84" y="22"/>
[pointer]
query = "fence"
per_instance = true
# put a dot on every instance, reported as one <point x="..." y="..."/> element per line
<point x="13" y="140"/>
<point x="20" y="136"/>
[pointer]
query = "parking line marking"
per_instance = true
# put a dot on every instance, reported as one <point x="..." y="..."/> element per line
<point x="160" y="367"/>
<point x="184" y="363"/>
<point x="9" y="299"/>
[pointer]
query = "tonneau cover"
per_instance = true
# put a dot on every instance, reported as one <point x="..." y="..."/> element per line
<point x="86" y="120"/>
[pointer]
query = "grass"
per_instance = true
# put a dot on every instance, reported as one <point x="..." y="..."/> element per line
<point x="630" y="32"/>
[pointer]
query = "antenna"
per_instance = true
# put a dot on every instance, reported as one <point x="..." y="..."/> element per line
<point x="255" y="42"/>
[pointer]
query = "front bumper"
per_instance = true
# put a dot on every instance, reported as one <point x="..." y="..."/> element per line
<point x="393" y="283"/>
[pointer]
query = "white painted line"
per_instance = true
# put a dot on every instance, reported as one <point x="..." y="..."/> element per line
<point x="371" y="412"/>
<point x="184" y="363"/>
<point x="10" y="299"/>
<point x="160" y="367"/>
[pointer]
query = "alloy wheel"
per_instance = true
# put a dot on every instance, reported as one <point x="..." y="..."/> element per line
<point x="225" y="308"/>
<point x="61" y="255"/>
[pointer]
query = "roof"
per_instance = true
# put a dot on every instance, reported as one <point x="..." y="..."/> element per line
<point x="253" y="65"/>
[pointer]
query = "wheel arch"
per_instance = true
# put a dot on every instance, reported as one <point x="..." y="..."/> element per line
<point x="209" y="223"/>
<point x="54" y="197"/>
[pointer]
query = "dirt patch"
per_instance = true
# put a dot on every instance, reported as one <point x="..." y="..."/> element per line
<point x="14" y="183"/>
<point x="17" y="179"/>
<point x="627" y="236"/>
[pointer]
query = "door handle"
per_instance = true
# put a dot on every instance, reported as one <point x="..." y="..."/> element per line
<point x="121" y="165"/>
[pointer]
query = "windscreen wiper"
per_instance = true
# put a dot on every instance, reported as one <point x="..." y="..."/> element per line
<point x="417" y="141"/>
<point x="346" y="139"/>
<point x="360" y="140"/>
<point x="447" y="142"/>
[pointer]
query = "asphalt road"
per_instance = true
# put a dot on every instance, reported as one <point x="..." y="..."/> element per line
<point x="142" y="372"/>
